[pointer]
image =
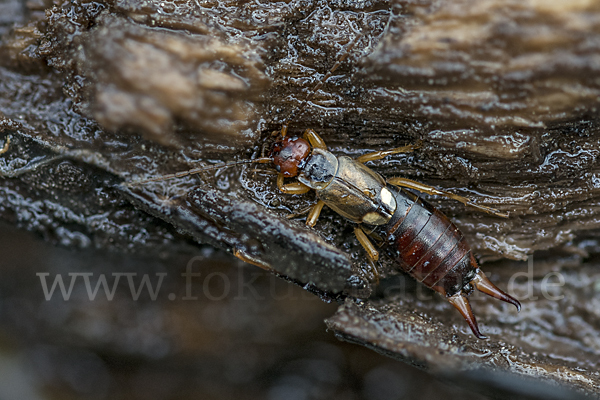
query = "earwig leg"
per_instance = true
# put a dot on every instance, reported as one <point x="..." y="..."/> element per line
<point x="314" y="139"/>
<point x="366" y="244"/>
<point x="421" y="187"/>
<point x="462" y="305"/>
<point x="483" y="284"/>
<point x="314" y="213"/>
<point x="245" y="257"/>
<point x="6" y="144"/>
<point x="291" y="188"/>
<point x="378" y="155"/>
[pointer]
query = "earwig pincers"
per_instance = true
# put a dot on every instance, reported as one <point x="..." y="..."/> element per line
<point x="388" y="218"/>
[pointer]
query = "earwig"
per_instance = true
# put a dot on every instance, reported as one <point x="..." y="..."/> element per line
<point x="424" y="242"/>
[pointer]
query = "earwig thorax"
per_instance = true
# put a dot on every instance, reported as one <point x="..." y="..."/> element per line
<point x="289" y="155"/>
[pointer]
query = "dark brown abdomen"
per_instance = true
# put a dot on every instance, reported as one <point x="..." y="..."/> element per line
<point x="427" y="245"/>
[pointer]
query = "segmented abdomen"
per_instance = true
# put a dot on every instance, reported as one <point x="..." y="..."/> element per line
<point x="428" y="245"/>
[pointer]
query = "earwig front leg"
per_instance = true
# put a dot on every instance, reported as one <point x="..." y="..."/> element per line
<point x="421" y="187"/>
<point x="378" y="155"/>
<point x="291" y="188"/>
<point x="314" y="213"/>
<point x="366" y="244"/>
<point x="315" y="140"/>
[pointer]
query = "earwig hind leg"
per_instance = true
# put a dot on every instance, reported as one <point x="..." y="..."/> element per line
<point x="314" y="213"/>
<point x="291" y="188"/>
<point x="421" y="187"/>
<point x="6" y="145"/>
<point x="314" y="139"/>
<point x="462" y="305"/>
<point x="378" y="155"/>
<point x="366" y="244"/>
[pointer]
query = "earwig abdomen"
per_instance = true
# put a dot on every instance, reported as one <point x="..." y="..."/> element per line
<point x="427" y="245"/>
<point x="430" y="248"/>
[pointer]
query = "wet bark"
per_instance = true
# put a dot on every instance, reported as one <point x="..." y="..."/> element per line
<point x="503" y="96"/>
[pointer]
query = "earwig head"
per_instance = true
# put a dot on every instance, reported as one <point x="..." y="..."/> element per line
<point x="289" y="154"/>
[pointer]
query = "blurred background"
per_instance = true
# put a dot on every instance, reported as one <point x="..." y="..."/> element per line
<point x="247" y="335"/>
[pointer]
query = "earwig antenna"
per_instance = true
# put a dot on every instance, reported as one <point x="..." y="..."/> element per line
<point x="318" y="86"/>
<point x="262" y="160"/>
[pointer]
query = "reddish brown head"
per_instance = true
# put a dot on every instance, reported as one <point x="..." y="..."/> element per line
<point x="289" y="155"/>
